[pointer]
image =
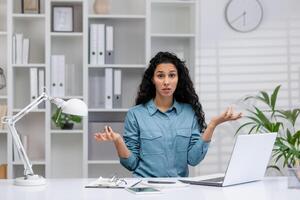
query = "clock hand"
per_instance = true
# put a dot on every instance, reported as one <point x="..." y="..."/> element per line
<point x="244" y="18"/>
<point x="237" y="18"/>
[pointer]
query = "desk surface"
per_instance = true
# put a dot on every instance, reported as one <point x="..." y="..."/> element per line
<point x="268" y="189"/>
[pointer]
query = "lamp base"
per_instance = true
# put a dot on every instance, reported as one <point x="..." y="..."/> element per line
<point x="30" y="180"/>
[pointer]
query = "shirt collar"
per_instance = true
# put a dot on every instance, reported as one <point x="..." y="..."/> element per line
<point x="150" y="105"/>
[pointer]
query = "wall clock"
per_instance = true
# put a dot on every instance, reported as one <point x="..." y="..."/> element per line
<point x="244" y="15"/>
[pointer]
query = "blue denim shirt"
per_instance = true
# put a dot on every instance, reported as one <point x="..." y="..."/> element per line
<point x="162" y="144"/>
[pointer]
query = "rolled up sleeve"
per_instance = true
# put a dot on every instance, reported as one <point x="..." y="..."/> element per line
<point x="197" y="147"/>
<point x="132" y="141"/>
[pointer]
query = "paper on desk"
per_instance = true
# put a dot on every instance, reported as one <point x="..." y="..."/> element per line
<point x="107" y="182"/>
<point x="177" y="184"/>
<point x="114" y="183"/>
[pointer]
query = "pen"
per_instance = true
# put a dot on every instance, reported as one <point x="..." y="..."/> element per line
<point x="111" y="187"/>
<point x="162" y="182"/>
<point x="136" y="183"/>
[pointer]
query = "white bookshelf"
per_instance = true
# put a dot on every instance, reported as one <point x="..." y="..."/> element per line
<point x="141" y="29"/>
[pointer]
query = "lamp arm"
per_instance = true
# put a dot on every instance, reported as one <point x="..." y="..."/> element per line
<point x="10" y="121"/>
<point x="43" y="97"/>
<point x="23" y="155"/>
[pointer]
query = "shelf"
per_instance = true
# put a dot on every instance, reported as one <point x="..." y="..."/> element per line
<point x="66" y="34"/>
<point x="37" y="162"/>
<point x="126" y="66"/>
<point x="29" y="16"/>
<point x="29" y="65"/>
<point x="70" y="97"/>
<point x="3" y="97"/>
<point x="117" y="16"/>
<point x="66" y="131"/>
<point x="66" y="1"/>
<point x="33" y="111"/>
<point x="103" y="162"/>
<point x="182" y="2"/>
<point x="108" y="110"/>
<point x="4" y="33"/>
<point x="3" y="131"/>
<point x="162" y="35"/>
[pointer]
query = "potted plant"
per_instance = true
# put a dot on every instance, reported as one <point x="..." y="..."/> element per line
<point x="64" y="121"/>
<point x="267" y="118"/>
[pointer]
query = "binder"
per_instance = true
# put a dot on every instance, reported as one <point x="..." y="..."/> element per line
<point x="19" y="48"/>
<point x="33" y="84"/>
<point x="41" y="85"/>
<point x="117" y="101"/>
<point x="54" y="84"/>
<point x="58" y="75"/>
<point x="93" y="44"/>
<point x="108" y="88"/>
<point x="14" y="49"/>
<point x="61" y="75"/>
<point x="109" y="50"/>
<point x="100" y="44"/>
<point x="25" y="56"/>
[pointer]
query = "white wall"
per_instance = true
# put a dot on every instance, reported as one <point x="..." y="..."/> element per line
<point x="231" y="65"/>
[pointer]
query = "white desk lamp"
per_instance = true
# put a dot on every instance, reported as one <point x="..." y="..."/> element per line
<point x="72" y="107"/>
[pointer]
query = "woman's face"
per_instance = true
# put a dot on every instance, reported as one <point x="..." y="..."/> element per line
<point x="165" y="79"/>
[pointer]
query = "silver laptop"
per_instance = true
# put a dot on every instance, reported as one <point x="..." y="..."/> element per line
<point x="248" y="162"/>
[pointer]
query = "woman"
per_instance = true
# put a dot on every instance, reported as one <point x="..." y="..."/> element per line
<point x="166" y="130"/>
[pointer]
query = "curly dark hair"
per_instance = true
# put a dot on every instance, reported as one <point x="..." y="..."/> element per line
<point x="184" y="92"/>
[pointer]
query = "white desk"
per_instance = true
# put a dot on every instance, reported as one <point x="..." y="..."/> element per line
<point x="73" y="189"/>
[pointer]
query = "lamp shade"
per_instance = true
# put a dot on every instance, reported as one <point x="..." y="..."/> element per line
<point x="75" y="107"/>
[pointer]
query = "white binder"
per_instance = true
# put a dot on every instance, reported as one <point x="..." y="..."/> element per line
<point x="41" y="85"/>
<point x="53" y="76"/>
<point x="117" y="101"/>
<point x="109" y="50"/>
<point x="14" y="49"/>
<point x="108" y="88"/>
<point x="93" y="44"/>
<point x="100" y="44"/>
<point x="61" y="76"/>
<point x="58" y="75"/>
<point x="33" y="84"/>
<point x="25" y="56"/>
<point x="19" y="48"/>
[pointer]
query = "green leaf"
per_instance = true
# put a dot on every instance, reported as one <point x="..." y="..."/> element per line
<point x="265" y="98"/>
<point x="242" y="126"/>
<point x="274" y="97"/>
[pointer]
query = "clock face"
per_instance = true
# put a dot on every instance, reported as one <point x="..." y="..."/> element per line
<point x="244" y="15"/>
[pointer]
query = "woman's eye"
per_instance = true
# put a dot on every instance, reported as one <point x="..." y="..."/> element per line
<point x="172" y="75"/>
<point x="160" y="75"/>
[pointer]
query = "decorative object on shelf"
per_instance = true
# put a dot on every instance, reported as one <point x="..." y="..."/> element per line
<point x="271" y="119"/>
<point x="102" y="6"/>
<point x="64" y="121"/>
<point x="3" y="112"/>
<point x="72" y="107"/>
<point x="2" y="79"/>
<point x="62" y="18"/>
<point x="31" y="6"/>
<point x="244" y="15"/>
<point x="3" y="171"/>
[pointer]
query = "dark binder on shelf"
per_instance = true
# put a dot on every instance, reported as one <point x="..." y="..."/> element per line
<point x="117" y="100"/>
<point x="109" y="45"/>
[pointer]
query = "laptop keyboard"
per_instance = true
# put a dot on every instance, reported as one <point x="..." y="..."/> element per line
<point x="218" y="179"/>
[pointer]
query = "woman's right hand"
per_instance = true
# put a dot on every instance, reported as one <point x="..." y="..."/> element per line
<point x="107" y="135"/>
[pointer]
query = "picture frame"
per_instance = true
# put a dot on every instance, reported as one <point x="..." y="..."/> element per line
<point x="31" y="6"/>
<point x="62" y="18"/>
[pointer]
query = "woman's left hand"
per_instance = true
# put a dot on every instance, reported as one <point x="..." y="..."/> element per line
<point x="227" y="115"/>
